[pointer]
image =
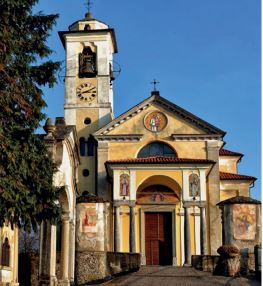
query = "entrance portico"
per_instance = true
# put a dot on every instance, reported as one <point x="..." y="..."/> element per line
<point x="159" y="188"/>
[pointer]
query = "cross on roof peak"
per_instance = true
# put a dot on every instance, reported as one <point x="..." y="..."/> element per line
<point x="154" y="82"/>
<point x="89" y="5"/>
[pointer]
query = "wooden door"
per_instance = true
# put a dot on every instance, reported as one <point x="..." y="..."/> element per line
<point x="158" y="238"/>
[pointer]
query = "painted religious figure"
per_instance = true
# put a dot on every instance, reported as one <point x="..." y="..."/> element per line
<point x="194" y="185"/>
<point x="244" y="219"/>
<point x="89" y="220"/>
<point x="124" y="185"/>
<point x="155" y="121"/>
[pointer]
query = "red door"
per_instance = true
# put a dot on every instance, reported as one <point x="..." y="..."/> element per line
<point x="158" y="238"/>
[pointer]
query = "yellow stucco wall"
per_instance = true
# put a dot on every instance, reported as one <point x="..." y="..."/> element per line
<point x="229" y="189"/>
<point x="142" y="175"/>
<point x="228" y="164"/>
<point x="135" y="125"/>
<point x="192" y="150"/>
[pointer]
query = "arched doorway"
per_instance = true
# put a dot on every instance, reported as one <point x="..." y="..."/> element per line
<point x="158" y="196"/>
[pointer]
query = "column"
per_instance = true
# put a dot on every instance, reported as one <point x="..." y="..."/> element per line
<point x="132" y="230"/>
<point x="72" y="251"/>
<point x="187" y="241"/>
<point x="47" y="263"/>
<point x="117" y="229"/>
<point x="203" y="230"/>
<point x="64" y="263"/>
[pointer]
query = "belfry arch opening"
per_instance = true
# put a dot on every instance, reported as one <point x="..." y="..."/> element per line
<point x="157" y="148"/>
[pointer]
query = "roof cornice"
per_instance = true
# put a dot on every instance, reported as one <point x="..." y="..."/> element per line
<point x="119" y="137"/>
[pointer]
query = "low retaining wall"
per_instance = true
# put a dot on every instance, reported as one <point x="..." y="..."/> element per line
<point x="99" y="266"/>
<point x="250" y="262"/>
<point x="205" y="262"/>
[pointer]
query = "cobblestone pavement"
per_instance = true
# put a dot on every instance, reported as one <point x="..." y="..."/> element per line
<point x="176" y="276"/>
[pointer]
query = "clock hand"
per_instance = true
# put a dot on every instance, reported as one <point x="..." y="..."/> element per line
<point x="90" y="89"/>
<point x="88" y="93"/>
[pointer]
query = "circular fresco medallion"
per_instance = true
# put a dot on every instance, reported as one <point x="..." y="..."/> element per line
<point x="155" y="121"/>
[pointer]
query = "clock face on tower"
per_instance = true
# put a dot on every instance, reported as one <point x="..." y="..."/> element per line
<point x="86" y="92"/>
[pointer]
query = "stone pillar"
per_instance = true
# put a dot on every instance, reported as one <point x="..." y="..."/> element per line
<point x="203" y="231"/>
<point x="117" y="246"/>
<point x="72" y="251"/>
<point x="64" y="263"/>
<point x="132" y="230"/>
<point x="187" y="241"/>
<point x="47" y="262"/>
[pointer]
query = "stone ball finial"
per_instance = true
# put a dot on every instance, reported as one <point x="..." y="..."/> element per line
<point x="60" y="121"/>
<point x="49" y="126"/>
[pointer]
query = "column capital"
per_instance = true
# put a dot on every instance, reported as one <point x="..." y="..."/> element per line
<point x="187" y="204"/>
<point x="118" y="203"/>
<point x="65" y="216"/>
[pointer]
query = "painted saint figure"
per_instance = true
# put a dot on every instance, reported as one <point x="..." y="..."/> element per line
<point x="155" y="123"/>
<point x="124" y="185"/>
<point x="194" y="185"/>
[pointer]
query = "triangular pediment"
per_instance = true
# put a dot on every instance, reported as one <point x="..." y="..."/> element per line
<point x="174" y="120"/>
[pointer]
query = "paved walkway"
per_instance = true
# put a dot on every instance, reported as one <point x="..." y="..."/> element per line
<point x="176" y="276"/>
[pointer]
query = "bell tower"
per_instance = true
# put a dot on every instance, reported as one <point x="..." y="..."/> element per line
<point x="89" y="45"/>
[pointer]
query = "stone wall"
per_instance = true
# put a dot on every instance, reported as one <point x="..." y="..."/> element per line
<point x="99" y="266"/>
<point x="205" y="262"/>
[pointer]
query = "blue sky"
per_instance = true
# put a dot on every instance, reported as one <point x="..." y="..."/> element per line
<point x="206" y="54"/>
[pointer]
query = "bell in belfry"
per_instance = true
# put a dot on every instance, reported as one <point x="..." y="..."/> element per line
<point x="87" y="63"/>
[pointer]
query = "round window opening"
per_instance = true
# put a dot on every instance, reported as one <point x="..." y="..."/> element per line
<point x="87" y="121"/>
<point x="85" y="172"/>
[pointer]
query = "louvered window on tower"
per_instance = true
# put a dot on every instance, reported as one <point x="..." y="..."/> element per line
<point x="5" y="259"/>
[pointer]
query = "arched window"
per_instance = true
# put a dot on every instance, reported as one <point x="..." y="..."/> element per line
<point x="82" y="146"/>
<point x="5" y="259"/>
<point x="90" y="147"/>
<point x="157" y="149"/>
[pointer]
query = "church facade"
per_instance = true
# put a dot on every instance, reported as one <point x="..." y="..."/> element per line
<point x="160" y="170"/>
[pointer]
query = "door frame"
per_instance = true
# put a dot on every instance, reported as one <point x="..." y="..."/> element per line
<point x="157" y="208"/>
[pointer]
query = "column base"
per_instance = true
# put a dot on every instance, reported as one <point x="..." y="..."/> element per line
<point x="187" y="265"/>
<point x="64" y="282"/>
<point x="143" y="259"/>
<point x="52" y="281"/>
<point x="174" y="261"/>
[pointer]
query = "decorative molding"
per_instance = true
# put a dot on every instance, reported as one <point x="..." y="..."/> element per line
<point x="195" y="137"/>
<point x="120" y="137"/>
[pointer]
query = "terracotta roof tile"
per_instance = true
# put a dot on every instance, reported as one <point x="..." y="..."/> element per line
<point x="160" y="159"/>
<point x="239" y="200"/>
<point x="230" y="176"/>
<point x="224" y="152"/>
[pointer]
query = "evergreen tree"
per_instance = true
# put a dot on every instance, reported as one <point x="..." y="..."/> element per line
<point x="26" y="193"/>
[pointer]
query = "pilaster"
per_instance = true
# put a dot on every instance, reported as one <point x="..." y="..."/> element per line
<point x="215" y="227"/>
